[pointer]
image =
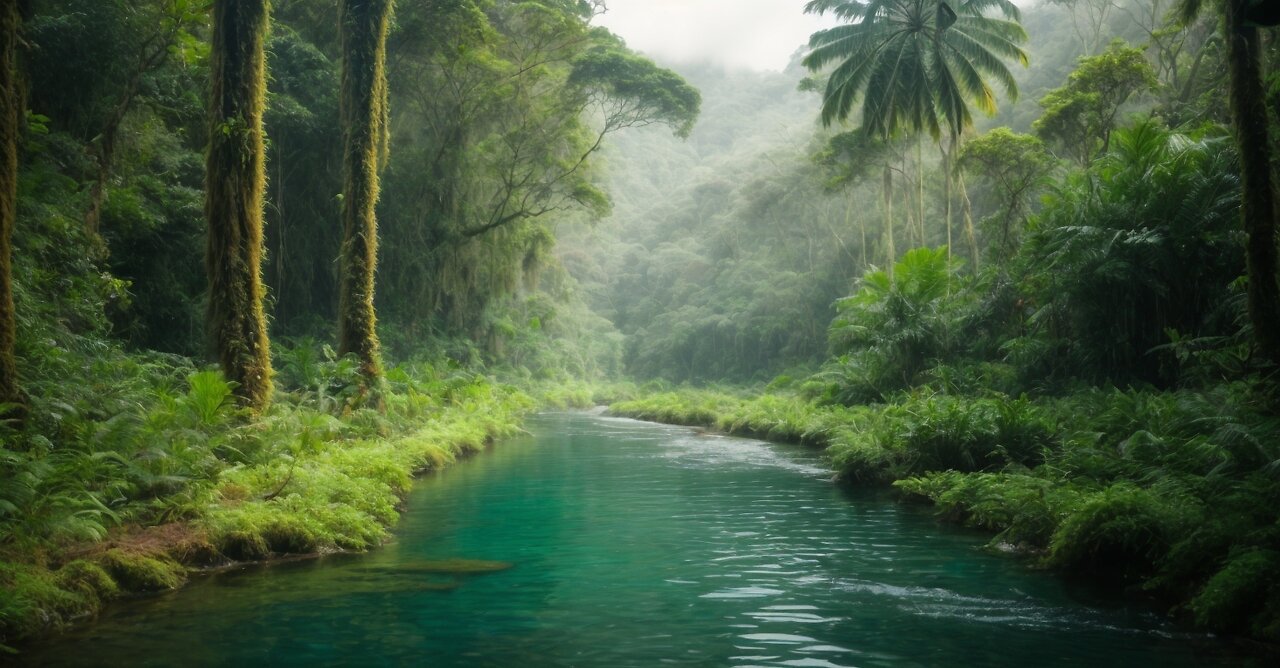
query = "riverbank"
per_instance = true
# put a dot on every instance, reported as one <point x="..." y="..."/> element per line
<point x="1172" y="496"/>
<point x="588" y="529"/>
<point x="173" y="482"/>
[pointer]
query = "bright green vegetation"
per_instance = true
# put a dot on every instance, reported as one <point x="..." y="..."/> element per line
<point x="727" y="548"/>
<point x="173" y="194"/>
<point x="157" y="472"/>
<point x="261" y="262"/>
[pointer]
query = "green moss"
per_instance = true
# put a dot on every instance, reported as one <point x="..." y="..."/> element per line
<point x="32" y="600"/>
<point x="235" y="180"/>
<point x="88" y="579"/>
<point x="141" y="572"/>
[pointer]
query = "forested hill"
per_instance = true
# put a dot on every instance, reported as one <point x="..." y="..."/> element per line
<point x="724" y="251"/>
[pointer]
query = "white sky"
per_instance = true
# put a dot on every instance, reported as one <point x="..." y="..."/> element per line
<point x="751" y="34"/>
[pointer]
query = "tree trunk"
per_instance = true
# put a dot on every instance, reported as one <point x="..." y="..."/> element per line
<point x="364" y="121"/>
<point x="235" y="179"/>
<point x="970" y="236"/>
<point x="1249" y="112"/>
<point x="908" y="208"/>
<point x="888" y="219"/>
<point x="10" y="110"/>
<point x="920" y="187"/>
<point x="946" y="190"/>
<point x="848" y="222"/>
<point x="862" y="229"/>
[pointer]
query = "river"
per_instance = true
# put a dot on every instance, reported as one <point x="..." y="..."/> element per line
<point x="600" y="541"/>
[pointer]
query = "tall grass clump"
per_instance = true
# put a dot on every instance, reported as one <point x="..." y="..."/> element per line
<point x="931" y="432"/>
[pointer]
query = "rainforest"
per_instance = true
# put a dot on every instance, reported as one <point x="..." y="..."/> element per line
<point x="335" y="331"/>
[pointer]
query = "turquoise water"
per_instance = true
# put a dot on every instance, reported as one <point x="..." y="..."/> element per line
<point x="634" y="544"/>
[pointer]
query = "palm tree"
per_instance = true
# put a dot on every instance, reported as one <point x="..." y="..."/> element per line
<point x="363" y="24"/>
<point x="10" y="108"/>
<point x="916" y="65"/>
<point x="234" y="184"/>
<point x="1249" y="118"/>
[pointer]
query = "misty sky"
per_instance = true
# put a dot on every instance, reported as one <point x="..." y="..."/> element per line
<point x="753" y="34"/>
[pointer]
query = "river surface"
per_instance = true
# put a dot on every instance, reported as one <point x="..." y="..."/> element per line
<point x="635" y="544"/>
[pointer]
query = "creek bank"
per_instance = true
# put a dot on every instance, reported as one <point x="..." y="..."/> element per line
<point x="342" y="494"/>
<point x="1165" y="496"/>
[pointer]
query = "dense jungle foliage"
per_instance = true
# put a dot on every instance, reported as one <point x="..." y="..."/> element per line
<point x="125" y="459"/>
<point x="270" y="259"/>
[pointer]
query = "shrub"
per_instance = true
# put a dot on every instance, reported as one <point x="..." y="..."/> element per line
<point x="1241" y="597"/>
<point x="1024" y="510"/>
<point x="1122" y="531"/>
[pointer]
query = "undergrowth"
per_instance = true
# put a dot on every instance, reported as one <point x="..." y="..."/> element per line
<point x="125" y="483"/>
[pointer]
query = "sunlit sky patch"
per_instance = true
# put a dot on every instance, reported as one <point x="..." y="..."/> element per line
<point x="737" y="34"/>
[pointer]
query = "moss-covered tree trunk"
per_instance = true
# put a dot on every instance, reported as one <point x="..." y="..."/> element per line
<point x="1249" y="112"/>
<point x="235" y="179"/>
<point x="10" y="111"/>
<point x="12" y="108"/>
<point x="364" y="121"/>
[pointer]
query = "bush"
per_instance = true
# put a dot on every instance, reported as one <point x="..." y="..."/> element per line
<point x="944" y="433"/>
<point x="1024" y="510"/>
<point x="1241" y="597"/>
<point x="1122" y="531"/>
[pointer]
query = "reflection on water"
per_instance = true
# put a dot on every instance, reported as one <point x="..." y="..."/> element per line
<point x="608" y="542"/>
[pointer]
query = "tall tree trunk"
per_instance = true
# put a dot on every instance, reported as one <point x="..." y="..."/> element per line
<point x="10" y="111"/>
<point x="365" y="133"/>
<point x="848" y="222"/>
<point x="1249" y="111"/>
<point x="913" y="230"/>
<point x="967" y="208"/>
<point x="920" y="186"/>
<point x="888" y="219"/>
<point x="862" y="229"/>
<point x="946" y="188"/>
<point x="235" y="179"/>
